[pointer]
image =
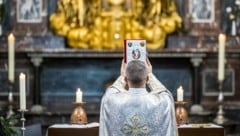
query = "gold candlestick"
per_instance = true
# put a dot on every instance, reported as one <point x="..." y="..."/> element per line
<point x="181" y="113"/>
<point x="79" y="115"/>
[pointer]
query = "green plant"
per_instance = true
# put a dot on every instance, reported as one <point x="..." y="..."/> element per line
<point x="6" y="126"/>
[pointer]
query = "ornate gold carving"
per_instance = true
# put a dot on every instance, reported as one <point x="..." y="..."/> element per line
<point x="104" y="24"/>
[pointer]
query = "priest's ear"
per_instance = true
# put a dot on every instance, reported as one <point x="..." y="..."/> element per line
<point x="126" y="86"/>
<point x="147" y="78"/>
<point x="125" y="79"/>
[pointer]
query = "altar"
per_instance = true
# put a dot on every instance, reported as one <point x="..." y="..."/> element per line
<point x="92" y="129"/>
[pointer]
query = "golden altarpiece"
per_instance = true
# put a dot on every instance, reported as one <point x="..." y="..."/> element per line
<point x="97" y="24"/>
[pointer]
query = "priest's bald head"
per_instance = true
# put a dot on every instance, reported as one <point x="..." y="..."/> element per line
<point x="136" y="74"/>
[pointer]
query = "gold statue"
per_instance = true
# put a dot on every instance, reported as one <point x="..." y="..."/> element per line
<point x="78" y="36"/>
<point x="115" y="20"/>
<point x="104" y="24"/>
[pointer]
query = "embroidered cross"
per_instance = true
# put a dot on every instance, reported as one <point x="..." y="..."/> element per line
<point x="135" y="128"/>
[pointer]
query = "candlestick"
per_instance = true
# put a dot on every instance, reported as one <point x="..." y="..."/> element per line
<point x="23" y="121"/>
<point x="22" y="83"/>
<point x="10" y="97"/>
<point x="180" y="92"/>
<point x="10" y="101"/>
<point x="221" y="57"/>
<point x="181" y="113"/>
<point x="79" y="115"/>
<point x="79" y="95"/>
<point x="220" y="118"/>
<point x="11" y="58"/>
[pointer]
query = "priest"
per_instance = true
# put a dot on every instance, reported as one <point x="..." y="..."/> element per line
<point x="137" y="111"/>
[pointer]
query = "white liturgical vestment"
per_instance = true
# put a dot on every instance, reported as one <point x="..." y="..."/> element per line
<point x="137" y="112"/>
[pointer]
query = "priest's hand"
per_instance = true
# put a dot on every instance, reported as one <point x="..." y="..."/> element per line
<point x="149" y="66"/>
<point x="123" y="68"/>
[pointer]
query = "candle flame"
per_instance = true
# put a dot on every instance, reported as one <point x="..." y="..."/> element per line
<point x="79" y="90"/>
<point x="11" y="35"/>
<point x="22" y="75"/>
<point x="222" y="38"/>
<point x="180" y="87"/>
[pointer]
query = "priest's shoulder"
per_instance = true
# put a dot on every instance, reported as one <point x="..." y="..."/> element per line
<point x="164" y="92"/>
<point x="111" y="90"/>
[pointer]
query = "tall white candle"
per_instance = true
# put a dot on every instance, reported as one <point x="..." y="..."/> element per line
<point x="221" y="57"/>
<point x="11" y="58"/>
<point x="79" y="95"/>
<point x="180" y="92"/>
<point x="22" y="83"/>
<point x="233" y="29"/>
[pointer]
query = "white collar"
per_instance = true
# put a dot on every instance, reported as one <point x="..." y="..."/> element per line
<point x="137" y="90"/>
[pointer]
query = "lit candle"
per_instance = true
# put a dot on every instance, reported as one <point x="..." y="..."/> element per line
<point x="79" y="95"/>
<point x="11" y="42"/>
<point x="180" y="92"/>
<point x="221" y="57"/>
<point x="22" y="83"/>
